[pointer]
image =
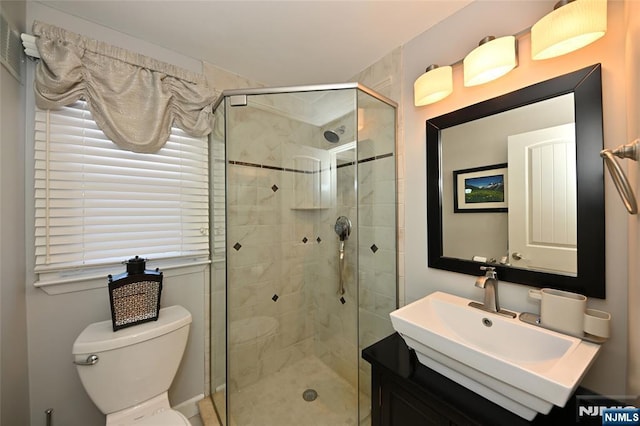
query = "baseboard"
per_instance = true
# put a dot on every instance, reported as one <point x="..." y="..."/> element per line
<point x="189" y="408"/>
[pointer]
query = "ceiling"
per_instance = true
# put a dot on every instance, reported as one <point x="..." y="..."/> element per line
<point x="277" y="43"/>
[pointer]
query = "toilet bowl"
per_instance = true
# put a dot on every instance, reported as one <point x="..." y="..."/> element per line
<point x="127" y="373"/>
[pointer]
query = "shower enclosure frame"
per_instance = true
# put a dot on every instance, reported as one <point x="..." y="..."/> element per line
<point x="239" y="97"/>
<point x="305" y="88"/>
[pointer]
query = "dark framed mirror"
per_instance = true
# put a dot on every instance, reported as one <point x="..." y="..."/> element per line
<point x="482" y="146"/>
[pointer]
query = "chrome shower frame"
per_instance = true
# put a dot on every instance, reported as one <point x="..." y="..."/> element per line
<point x="307" y="88"/>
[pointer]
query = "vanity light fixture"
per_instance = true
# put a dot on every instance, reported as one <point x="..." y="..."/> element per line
<point x="435" y="84"/>
<point x="493" y="58"/>
<point x="572" y="25"/>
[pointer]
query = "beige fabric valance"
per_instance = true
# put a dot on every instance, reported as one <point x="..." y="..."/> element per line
<point x="134" y="99"/>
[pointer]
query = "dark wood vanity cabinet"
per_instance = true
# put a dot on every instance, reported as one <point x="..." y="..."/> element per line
<point x="400" y="404"/>
<point x="406" y="393"/>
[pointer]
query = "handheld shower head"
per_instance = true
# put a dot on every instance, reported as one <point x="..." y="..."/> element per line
<point x="343" y="227"/>
<point x="333" y="136"/>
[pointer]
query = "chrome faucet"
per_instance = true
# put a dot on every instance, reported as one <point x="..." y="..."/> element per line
<point x="490" y="285"/>
<point x="489" y="282"/>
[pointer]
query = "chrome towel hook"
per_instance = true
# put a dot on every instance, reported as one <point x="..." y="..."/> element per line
<point x="623" y="186"/>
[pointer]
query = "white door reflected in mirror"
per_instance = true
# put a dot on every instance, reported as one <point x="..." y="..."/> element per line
<point x="542" y="199"/>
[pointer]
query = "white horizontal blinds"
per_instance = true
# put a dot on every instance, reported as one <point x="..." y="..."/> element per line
<point x="98" y="204"/>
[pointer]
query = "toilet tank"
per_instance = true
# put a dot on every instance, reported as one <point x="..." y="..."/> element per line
<point x="134" y="364"/>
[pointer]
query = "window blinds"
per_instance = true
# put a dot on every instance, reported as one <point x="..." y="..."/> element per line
<point x="97" y="204"/>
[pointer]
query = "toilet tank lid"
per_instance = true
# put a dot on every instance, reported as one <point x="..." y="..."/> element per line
<point x="100" y="337"/>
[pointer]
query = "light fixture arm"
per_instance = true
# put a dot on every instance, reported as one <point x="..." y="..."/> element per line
<point x="486" y="39"/>
<point x="618" y="176"/>
<point x="561" y="3"/>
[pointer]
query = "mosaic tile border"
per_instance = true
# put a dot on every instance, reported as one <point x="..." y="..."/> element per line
<point x="366" y="160"/>
<point x="287" y="169"/>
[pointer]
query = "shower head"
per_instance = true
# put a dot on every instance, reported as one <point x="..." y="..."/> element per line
<point x="343" y="227"/>
<point x="333" y="136"/>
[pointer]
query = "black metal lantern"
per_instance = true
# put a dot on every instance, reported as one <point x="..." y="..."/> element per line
<point x="135" y="294"/>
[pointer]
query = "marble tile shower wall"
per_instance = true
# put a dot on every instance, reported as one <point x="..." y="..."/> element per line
<point x="377" y="206"/>
<point x="335" y="316"/>
<point x="377" y="269"/>
<point x="285" y="261"/>
<point x="269" y="268"/>
<point x="275" y="249"/>
<point x="377" y="255"/>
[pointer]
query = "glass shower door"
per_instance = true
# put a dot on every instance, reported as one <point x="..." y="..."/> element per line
<point x="377" y="224"/>
<point x="291" y="268"/>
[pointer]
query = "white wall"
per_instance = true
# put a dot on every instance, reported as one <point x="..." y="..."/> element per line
<point x="14" y="392"/>
<point x="632" y="70"/>
<point x="447" y="43"/>
<point x="54" y="321"/>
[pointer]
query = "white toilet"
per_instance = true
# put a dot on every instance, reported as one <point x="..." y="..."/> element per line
<point x="127" y="373"/>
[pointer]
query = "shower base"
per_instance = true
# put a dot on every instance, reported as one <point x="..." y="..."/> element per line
<point x="277" y="400"/>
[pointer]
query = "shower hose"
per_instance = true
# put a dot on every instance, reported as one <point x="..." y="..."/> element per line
<point x="341" y="270"/>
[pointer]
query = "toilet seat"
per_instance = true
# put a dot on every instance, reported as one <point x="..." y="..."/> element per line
<point x="165" y="418"/>
<point x="162" y="418"/>
<point x="154" y="412"/>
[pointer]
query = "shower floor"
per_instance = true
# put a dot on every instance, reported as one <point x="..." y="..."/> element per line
<point x="277" y="400"/>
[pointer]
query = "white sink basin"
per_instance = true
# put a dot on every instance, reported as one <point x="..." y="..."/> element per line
<point x="521" y="367"/>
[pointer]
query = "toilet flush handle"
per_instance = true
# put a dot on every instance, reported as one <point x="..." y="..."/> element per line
<point x="91" y="360"/>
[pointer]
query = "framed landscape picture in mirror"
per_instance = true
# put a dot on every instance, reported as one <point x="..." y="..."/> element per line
<point x="480" y="189"/>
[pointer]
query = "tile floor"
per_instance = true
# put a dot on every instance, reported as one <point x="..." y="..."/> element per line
<point x="277" y="400"/>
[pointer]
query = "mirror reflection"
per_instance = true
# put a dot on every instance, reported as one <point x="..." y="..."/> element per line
<point x="517" y="182"/>
<point x="509" y="189"/>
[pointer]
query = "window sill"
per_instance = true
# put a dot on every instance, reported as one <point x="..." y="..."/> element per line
<point x="83" y="282"/>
